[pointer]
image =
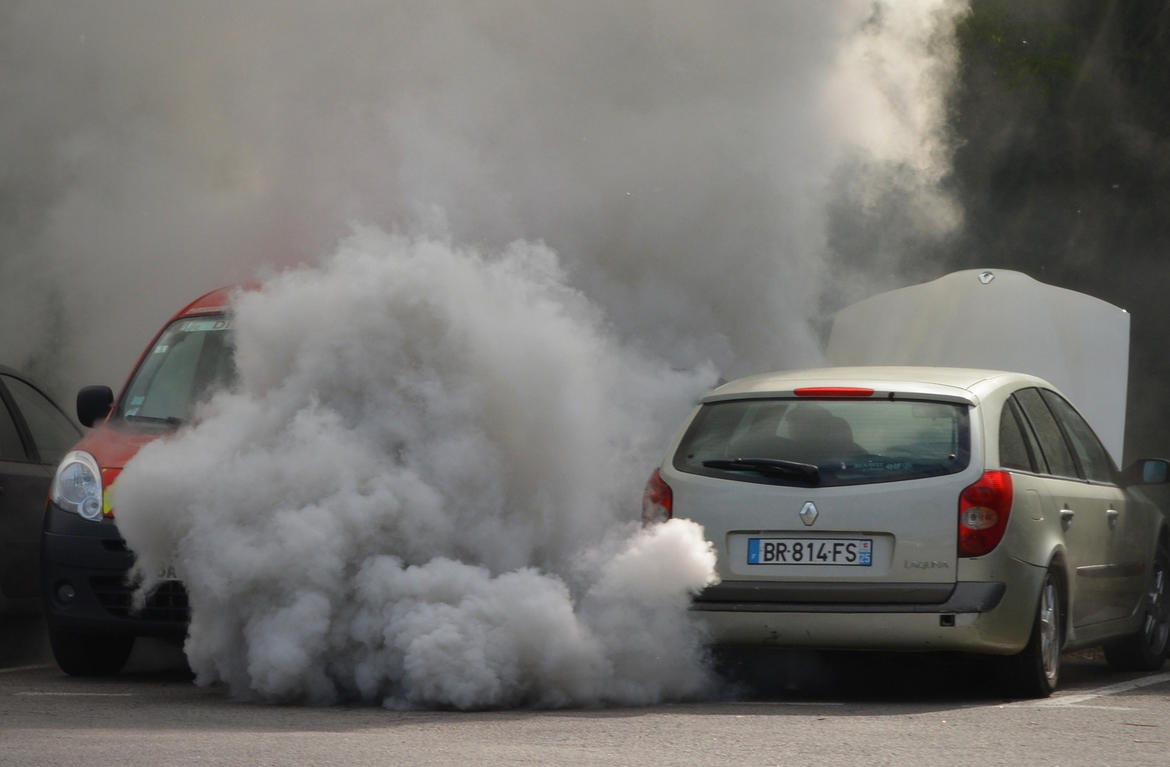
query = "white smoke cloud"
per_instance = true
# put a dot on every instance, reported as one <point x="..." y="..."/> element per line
<point x="439" y="438"/>
<point x="422" y="492"/>
<point x="896" y="71"/>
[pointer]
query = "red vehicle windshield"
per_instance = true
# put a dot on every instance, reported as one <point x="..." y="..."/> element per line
<point x="192" y="359"/>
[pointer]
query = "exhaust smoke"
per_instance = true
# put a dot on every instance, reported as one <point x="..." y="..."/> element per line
<point x="569" y="224"/>
<point x="421" y="492"/>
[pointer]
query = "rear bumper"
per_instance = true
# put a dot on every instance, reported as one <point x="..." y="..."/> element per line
<point x="993" y="617"/>
<point x="752" y="596"/>
<point x="90" y="561"/>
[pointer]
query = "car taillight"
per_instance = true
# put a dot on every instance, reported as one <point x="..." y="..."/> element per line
<point x="657" y="500"/>
<point x="983" y="513"/>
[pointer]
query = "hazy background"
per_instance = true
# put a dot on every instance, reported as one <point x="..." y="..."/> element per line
<point x="677" y="156"/>
<point x="1060" y="129"/>
<point x="717" y="177"/>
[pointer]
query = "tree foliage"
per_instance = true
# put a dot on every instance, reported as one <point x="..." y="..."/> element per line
<point x="1062" y="121"/>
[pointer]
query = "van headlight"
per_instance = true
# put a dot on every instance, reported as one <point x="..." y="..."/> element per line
<point x="77" y="486"/>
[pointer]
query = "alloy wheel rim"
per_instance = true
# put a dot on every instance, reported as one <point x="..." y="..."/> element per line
<point x="1157" y="626"/>
<point x="1050" y="632"/>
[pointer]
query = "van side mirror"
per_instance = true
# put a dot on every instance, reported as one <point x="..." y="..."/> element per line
<point x="1148" y="471"/>
<point x="93" y="404"/>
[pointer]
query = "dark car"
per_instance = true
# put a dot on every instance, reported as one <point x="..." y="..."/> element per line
<point x="34" y="434"/>
<point x="89" y="614"/>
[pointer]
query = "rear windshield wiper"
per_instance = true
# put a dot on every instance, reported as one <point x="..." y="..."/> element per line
<point x="774" y="467"/>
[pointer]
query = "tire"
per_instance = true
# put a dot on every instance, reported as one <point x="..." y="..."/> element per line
<point x="89" y="654"/>
<point x="1035" y="671"/>
<point x="1146" y="650"/>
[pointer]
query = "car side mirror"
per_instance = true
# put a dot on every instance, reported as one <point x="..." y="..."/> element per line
<point x="93" y="404"/>
<point x="1148" y="471"/>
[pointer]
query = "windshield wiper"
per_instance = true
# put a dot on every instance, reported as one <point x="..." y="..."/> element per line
<point x="775" y="467"/>
<point x="170" y="420"/>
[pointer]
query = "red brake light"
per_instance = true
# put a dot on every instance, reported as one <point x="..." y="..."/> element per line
<point x="983" y="513"/>
<point x="657" y="501"/>
<point x="833" y="391"/>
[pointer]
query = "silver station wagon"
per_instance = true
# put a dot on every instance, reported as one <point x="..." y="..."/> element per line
<point x="920" y="508"/>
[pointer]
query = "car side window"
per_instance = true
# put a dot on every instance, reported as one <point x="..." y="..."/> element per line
<point x="11" y="448"/>
<point x="1094" y="458"/>
<point x="1048" y="433"/>
<point x="1014" y="451"/>
<point x="52" y="432"/>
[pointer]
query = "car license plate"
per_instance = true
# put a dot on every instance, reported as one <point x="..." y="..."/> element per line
<point x="849" y="552"/>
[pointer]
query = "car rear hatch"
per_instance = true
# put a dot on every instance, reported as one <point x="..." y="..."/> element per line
<point x="828" y="495"/>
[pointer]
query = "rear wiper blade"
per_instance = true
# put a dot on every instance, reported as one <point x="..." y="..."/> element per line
<point x="803" y="472"/>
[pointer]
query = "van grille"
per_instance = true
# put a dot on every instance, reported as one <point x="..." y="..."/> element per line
<point x="167" y="603"/>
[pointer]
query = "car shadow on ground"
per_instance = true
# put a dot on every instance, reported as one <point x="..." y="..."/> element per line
<point x="24" y="641"/>
<point x="746" y="675"/>
<point x="811" y="675"/>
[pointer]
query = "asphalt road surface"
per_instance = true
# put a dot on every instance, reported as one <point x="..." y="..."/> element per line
<point x="795" y="709"/>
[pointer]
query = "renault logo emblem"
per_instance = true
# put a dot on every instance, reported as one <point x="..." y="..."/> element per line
<point x="808" y="514"/>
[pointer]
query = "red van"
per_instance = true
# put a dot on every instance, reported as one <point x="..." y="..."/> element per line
<point x="84" y="560"/>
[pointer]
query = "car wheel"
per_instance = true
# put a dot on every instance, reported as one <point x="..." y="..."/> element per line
<point x="89" y="654"/>
<point x="1146" y="650"/>
<point x="1035" y="671"/>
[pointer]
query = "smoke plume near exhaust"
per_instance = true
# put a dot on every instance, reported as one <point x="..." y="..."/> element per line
<point x="568" y="224"/>
<point x="418" y="493"/>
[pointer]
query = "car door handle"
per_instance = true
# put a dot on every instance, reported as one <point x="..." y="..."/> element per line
<point x="1066" y="517"/>
<point x="1111" y="515"/>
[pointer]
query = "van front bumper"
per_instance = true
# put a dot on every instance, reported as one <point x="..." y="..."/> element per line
<point x="84" y="568"/>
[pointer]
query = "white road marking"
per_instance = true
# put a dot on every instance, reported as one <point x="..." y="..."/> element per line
<point x="1077" y="705"/>
<point x="42" y="693"/>
<point x="14" y="669"/>
<point x="1113" y="689"/>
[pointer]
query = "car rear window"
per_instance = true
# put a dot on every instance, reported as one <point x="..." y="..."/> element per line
<point x="826" y="442"/>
